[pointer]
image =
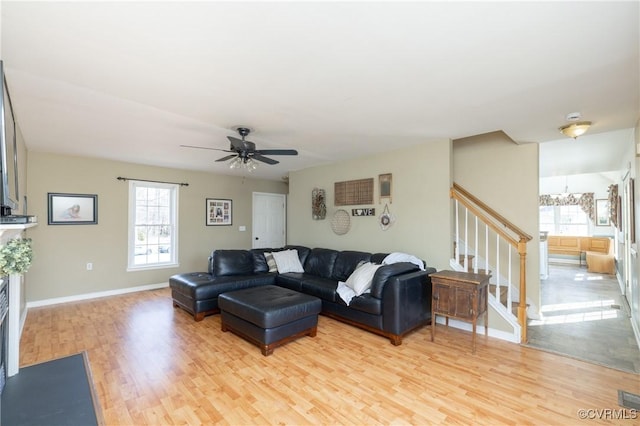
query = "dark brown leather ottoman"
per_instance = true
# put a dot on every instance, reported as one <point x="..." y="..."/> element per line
<point x="269" y="316"/>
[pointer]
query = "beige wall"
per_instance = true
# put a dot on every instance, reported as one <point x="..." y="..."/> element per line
<point x="422" y="177"/>
<point x="504" y="176"/>
<point x="61" y="252"/>
<point x="421" y="182"/>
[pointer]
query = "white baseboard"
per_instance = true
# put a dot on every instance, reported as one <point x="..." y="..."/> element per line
<point x="462" y="325"/>
<point x="96" y="295"/>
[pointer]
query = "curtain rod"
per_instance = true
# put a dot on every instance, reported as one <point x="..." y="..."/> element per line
<point x="154" y="181"/>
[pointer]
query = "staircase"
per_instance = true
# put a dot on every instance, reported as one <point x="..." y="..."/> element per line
<point x="486" y="242"/>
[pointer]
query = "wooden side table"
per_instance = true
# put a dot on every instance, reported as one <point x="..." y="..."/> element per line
<point x="459" y="295"/>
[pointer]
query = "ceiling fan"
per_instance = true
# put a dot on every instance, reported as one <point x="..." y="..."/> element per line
<point x="244" y="153"/>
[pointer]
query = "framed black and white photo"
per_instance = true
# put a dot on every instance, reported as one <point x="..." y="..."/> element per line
<point x="219" y="212"/>
<point x="72" y="209"/>
<point x="602" y="213"/>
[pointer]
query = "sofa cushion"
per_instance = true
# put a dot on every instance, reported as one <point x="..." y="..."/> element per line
<point x="385" y="272"/>
<point x="291" y="280"/>
<point x="320" y="262"/>
<point x="324" y="288"/>
<point x="232" y="262"/>
<point x="346" y="263"/>
<point x="259" y="260"/>
<point x="378" y="257"/>
<point x="367" y="303"/>
<point x="200" y="286"/>
<point x="287" y="261"/>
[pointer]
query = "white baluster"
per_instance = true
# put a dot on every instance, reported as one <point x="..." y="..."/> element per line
<point x="486" y="248"/>
<point x="498" y="266"/>
<point x="466" y="240"/>
<point x="475" y="268"/>
<point x="509" y="283"/>
<point x="456" y="253"/>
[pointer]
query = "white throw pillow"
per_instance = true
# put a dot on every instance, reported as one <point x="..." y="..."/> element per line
<point x="360" y="279"/>
<point x="287" y="261"/>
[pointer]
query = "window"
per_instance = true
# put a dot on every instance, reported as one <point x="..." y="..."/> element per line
<point x="564" y="220"/>
<point x="153" y="231"/>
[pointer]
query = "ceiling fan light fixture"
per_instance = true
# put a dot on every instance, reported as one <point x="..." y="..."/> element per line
<point x="246" y="163"/>
<point x="235" y="163"/>
<point x="574" y="130"/>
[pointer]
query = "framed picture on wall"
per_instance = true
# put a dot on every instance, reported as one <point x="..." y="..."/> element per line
<point x="602" y="213"/>
<point x="219" y="212"/>
<point x="72" y="209"/>
<point x="384" y="182"/>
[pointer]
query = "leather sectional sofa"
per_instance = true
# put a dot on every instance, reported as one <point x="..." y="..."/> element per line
<point x="399" y="300"/>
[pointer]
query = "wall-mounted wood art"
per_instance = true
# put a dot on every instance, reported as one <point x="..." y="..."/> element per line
<point x="353" y="192"/>
<point x="318" y="204"/>
<point x="363" y="212"/>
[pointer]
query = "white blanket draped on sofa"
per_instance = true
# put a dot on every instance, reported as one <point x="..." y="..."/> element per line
<point x="347" y="291"/>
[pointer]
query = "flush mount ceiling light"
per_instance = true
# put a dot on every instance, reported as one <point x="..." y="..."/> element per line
<point x="574" y="130"/>
<point x="577" y="128"/>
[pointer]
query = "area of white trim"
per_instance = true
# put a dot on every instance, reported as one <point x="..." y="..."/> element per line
<point x="498" y="334"/>
<point x="96" y="295"/>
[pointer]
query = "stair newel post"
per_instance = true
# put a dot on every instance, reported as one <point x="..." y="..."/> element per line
<point x="522" y="305"/>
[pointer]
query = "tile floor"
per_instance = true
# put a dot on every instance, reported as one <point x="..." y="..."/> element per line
<point x="585" y="317"/>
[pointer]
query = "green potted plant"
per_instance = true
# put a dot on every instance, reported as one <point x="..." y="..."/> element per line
<point x="15" y="256"/>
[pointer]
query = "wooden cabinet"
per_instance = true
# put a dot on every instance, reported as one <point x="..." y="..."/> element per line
<point x="459" y="295"/>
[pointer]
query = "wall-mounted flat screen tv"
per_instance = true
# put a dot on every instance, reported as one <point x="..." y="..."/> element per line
<point x="8" y="150"/>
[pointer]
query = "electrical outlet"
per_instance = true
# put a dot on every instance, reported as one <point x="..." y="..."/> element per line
<point x="89" y="266"/>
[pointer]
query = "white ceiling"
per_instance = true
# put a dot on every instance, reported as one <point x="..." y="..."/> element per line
<point x="133" y="80"/>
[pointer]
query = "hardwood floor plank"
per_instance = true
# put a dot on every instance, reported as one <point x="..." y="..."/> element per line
<point x="152" y="364"/>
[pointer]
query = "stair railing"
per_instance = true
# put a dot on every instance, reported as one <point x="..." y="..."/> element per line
<point x="505" y="231"/>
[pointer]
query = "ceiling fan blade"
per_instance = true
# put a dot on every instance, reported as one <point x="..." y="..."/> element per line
<point x="204" y="147"/>
<point x="228" y="157"/>
<point x="259" y="157"/>
<point x="277" y="152"/>
<point x="240" y="145"/>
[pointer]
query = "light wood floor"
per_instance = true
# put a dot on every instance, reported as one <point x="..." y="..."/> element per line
<point x="152" y="364"/>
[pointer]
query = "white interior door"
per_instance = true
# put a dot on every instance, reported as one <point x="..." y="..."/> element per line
<point x="269" y="220"/>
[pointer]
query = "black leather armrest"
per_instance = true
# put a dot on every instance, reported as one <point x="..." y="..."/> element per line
<point x="406" y="301"/>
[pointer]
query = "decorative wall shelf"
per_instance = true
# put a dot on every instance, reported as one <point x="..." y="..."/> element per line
<point x="9" y="231"/>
